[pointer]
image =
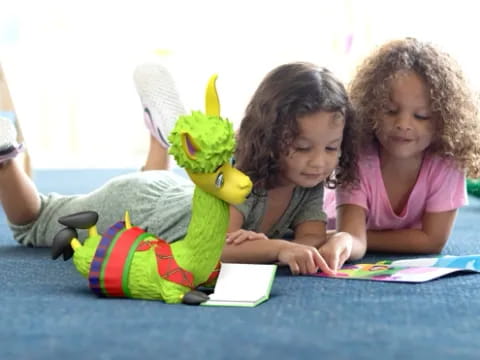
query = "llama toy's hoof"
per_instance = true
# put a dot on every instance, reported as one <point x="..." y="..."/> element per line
<point x="61" y="243"/>
<point x="81" y="220"/>
<point x="194" y="297"/>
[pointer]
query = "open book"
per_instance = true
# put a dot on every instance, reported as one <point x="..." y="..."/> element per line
<point x="242" y="285"/>
<point x="409" y="270"/>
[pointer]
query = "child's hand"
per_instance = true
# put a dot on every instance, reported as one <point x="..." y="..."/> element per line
<point x="239" y="236"/>
<point x="303" y="259"/>
<point x="337" y="250"/>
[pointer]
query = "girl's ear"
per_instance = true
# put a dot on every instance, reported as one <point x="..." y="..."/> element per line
<point x="189" y="146"/>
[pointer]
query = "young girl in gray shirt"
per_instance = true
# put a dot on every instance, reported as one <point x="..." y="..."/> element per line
<point x="296" y="137"/>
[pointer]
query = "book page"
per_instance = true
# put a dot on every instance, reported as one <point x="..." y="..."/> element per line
<point x="243" y="283"/>
<point x="383" y="272"/>
<point x="467" y="262"/>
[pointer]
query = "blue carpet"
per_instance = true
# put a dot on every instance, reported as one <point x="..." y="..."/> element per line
<point x="47" y="311"/>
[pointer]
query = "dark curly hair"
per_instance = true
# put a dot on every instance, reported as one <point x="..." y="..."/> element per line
<point x="270" y="127"/>
<point x="452" y="100"/>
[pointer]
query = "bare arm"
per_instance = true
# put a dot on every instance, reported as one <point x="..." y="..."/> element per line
<point x="301" y="258"/>
<point x="311" y="233"/>
<point x="431" y="239"/>
<point x="258" y="251"/>
<point x="351" y="220"/>
<point x="349" y="241"/>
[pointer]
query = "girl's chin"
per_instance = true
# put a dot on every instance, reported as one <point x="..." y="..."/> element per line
<point x="306" y="182"/>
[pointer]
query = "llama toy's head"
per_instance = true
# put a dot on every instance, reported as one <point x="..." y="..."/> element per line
<point x="203" y="144"/>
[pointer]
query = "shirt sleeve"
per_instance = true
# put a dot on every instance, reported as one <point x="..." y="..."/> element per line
<point x="356" y="194"/>
<point x="311" y="207"/>
<point x="353" y="196"/>
<point x="360" y="194"/>
<point x="448" y="188"/>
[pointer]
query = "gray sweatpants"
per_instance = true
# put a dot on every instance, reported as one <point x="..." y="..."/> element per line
<point x="157" y="200"/>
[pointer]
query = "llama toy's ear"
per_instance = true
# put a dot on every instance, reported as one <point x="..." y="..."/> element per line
<point x="189" y="146"/>
<point x="212" y="104"/>
<point x="212" y="108"/>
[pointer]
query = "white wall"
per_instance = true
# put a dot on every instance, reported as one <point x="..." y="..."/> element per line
<point x="69" y="63"/>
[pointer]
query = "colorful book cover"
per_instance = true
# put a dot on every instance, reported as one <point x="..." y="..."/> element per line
<point x="409" y="270"/>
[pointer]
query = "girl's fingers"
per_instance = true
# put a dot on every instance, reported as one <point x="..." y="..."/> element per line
<point x="294" y="268"/>
<point x="302" y="268"/>
<point x="231" y="237"/>
<point x="328" y="258"/>
<point x="321" y="264"/>
<point x="343" y="257"/>
<point x="334" y="264"/>
<point x="311" y="267"/>
<point x="250" y="235"/>
<point x="240" y="238"/>
<point x="256" y="236"/>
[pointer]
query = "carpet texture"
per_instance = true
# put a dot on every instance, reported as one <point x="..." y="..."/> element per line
<point x="48" y="312"/>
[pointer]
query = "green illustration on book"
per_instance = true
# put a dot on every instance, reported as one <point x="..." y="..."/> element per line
<point x="409" y="270"/>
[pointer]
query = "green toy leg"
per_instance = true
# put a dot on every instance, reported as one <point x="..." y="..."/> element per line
<point x="473" y="187"/>
<point x="179" y="294"/>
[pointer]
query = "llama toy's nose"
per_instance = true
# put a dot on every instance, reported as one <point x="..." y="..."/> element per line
<point x="246" y="187"/>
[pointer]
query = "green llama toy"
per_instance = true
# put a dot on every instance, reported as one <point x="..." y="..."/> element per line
<point x="127" y="261"/>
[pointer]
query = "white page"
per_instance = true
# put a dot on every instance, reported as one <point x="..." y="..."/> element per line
<point x="243" y="282"/>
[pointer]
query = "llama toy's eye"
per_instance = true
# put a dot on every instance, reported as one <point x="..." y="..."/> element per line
<point x="219" y="181"/>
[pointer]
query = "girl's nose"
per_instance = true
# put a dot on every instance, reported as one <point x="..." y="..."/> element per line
<point x="403" y="122"/>
<point x="318" y="159"/>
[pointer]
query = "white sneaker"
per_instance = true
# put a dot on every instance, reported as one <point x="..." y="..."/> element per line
<point x="160" y="99"/>
<point x="9" y="147"/>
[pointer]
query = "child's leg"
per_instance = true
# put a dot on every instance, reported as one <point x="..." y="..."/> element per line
<point x="157" y="157"/>
<point x="162" y="106"/>
<point x="7" y="109"/>
<point x="18" y="194"/>
<point x="157" y="200"/>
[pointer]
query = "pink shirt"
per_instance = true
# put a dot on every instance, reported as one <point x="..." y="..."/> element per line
<point x="440" y="187"/>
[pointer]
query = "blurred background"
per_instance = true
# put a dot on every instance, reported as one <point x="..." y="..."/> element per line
<point x="69" y="64"/>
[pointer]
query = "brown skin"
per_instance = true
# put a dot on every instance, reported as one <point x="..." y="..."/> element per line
<point x="313" y="157"/>
<point x="405" y="131"/>
<point x="301" y="254"/>
<point x="157" y="157"/>
<point x="16" y="188"/>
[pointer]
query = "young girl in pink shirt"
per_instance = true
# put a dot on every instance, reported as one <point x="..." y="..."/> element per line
<point x="420" y="140"/>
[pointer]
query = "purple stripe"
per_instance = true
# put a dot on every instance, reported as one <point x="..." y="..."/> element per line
<point x="96" y="265"/>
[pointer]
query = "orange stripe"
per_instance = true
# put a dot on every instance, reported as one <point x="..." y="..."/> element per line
<point x="168" y="268"/>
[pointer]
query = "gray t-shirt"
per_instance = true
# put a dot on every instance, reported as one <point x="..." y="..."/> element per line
<point x="306" y="204"/>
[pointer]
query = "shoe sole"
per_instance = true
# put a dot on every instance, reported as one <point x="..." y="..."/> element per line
<point x="160" y="100"/>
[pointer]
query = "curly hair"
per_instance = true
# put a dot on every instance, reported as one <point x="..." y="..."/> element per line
<point x="270" y="127"/>
<point x="452" y="101"/>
